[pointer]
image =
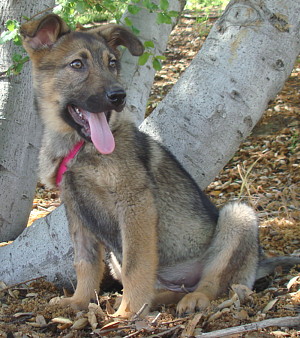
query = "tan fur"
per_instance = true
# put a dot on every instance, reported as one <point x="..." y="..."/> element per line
<point x="167" y="242"/>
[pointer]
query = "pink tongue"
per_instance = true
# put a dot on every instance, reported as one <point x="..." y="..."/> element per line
<point x="101" y="134"/>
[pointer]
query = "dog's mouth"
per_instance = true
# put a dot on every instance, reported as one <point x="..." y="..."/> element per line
<point x="94" y="126"/>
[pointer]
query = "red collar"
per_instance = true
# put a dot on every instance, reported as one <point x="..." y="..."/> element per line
<point x="63" y="167"/>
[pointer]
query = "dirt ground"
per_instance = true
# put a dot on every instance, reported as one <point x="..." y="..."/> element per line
<point x="264" y="172"/>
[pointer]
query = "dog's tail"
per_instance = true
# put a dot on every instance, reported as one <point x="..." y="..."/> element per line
<point x="267" y="266"/>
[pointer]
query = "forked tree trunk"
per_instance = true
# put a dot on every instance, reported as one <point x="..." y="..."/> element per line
<point x="20" y="130"/>
<point x="242" y="65"/>
<point x="245" y="61"/>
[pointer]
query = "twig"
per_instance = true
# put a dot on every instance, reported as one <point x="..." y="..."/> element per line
<point x="154" y="321"/>
<point x="163" y="333"/>
<point x="283" y="321"/>
<point x="43" y="11"/>
<point x="17" y="284"/>
<point x="100" y="331"/>
<point x="141" y="310"/>
<point x="97" y="297"/>
<point x="133" y="334"/>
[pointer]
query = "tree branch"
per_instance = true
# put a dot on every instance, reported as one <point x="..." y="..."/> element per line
<point x="283" y="321"/>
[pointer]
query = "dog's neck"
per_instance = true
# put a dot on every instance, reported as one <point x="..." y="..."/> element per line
<point x="63" y="167"/>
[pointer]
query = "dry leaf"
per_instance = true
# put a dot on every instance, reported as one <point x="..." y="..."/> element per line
<point x="55" y="300"/>
<point x="32" y="295"/>
<point x="61" y="320"/>
<point x="40" y="320"/>
<point x="190" y="326"/>
<point x="96" y="309"/>
<point x="22" y="314"/>
<point x="109" y="308"/>
<point x="228" y="302"/>
<point x="269" y="306"/>
<point x="293" y="282"/>
<point x="92" y="319"/>
<point x="80" y="323"/>
<point x="110" y="327"/>
<point x="2" y="286"/>
<point x="242" y="315"/>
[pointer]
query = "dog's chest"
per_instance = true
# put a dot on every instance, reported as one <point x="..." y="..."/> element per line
<point x="98" y="190"/>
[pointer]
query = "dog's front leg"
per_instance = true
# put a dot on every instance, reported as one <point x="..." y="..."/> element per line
<point x="89" y="266"/>
<point x="140" y="255"/>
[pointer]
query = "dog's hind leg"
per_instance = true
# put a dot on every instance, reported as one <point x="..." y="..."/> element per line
<point x="89" y="266"/>
<point x="232" y="257"/>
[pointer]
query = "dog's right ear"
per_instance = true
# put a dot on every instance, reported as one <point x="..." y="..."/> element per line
<point x="42" y="33"/>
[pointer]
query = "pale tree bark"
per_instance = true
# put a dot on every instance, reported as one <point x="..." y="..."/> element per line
<point x="245" y="60"/>
<point x="20" y="130"/>
<point x="138" y="79"/>
<point x="243" y="64"/>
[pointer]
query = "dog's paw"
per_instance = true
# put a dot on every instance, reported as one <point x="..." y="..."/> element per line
<point x="74" y="303"/>
<point x="123" y="314"/>
<point x="192" y="302"/>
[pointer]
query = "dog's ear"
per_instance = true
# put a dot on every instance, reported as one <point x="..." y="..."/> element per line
<point x="116" y="35"/>
<point x="43" y="33"/>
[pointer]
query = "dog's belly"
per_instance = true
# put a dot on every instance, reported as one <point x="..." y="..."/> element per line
<point x="182" y="277"/>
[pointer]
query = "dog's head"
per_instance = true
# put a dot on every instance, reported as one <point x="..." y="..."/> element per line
<point x="75" y="76"/>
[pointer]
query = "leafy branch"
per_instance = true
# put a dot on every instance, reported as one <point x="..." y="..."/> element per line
<point x="86" y="11"/>
<point x="18" y="59"/>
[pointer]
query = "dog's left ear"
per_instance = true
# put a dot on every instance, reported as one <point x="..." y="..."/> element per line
<point x="116" y="35"/>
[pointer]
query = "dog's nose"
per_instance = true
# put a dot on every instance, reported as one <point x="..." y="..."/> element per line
<point x="116" y="96"/>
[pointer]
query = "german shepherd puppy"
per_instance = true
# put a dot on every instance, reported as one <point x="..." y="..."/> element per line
<point x="122" y="190"/>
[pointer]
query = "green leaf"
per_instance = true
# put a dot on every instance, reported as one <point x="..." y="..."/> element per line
<point x="12" y="25"/>
<point x="135" y="30"/>
<point x="81" y="7"/>
<point x="17" y="40"/>
<point x="173" y="14"/>
<point x="128" y="22"/>
<point x="149" y="44"/>
<point x="161" y="57"/>
<point x="151" y="6"/>
<point x="164" y="4"/>
<point x="18" y="68"/>
<point x="17" y="57"/>
<point x="99" y="8"/>
<point x="143" y="58"/>
<point x="156" y="64"/>
<point x="133" y="9"/>
<point x="163" y="18"/>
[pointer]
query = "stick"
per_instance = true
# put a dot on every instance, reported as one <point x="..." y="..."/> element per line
<point x="163" y="333"/>
<point x="15" y="285"/>
<point x="137" y="315"/>
<point x="283" y="321"/>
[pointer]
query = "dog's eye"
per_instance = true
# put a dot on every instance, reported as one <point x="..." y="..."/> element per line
<point x="76" y="64"/>
<point x="113" y="63"/>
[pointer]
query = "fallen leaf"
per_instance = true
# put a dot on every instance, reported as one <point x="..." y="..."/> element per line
<point x="190" y="326"/>
<point x="80" y="323"/>
<point x="269" y="306"/>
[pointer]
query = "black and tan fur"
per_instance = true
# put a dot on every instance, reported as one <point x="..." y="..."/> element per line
<point x="167" y="242"/>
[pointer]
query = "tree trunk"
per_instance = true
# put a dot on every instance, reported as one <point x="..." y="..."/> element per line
<point x="138" y="79"/>
<point x="20" y="131"/>
<point x="244" y="63"/>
